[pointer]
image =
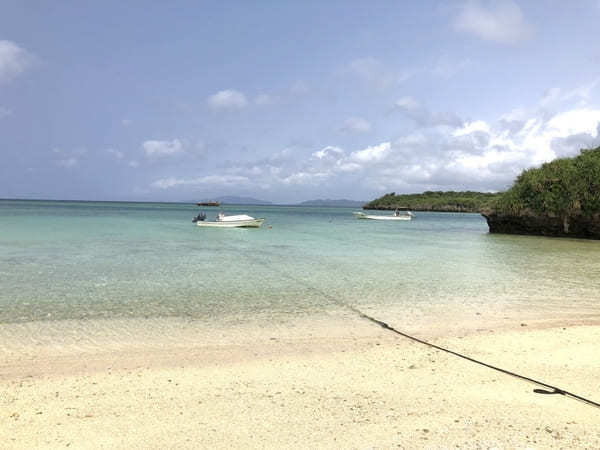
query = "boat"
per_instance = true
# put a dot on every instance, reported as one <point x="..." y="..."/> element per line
<point x="208" y="204"/>
<point x="395" y="216"/>
<point x="223" y="221"/>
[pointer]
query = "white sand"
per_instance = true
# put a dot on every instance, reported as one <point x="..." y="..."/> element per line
<point x="357" y="387"/>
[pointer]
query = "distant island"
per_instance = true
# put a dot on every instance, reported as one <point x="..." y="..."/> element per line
<point x="443" y="201"/>
<point x="330" y="202"/>
<point x="561" y="199"/>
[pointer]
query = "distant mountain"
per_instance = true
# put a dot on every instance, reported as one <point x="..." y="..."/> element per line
<point x="330" y="202"/>
<point x="232" y="200"/>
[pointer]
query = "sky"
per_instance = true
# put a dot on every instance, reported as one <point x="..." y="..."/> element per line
<point x="290" y="101"/>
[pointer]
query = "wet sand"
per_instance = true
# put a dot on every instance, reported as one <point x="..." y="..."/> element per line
<point x="309" y="385"/>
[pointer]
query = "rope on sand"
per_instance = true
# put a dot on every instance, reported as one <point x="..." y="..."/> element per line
<point x="552" y="389"/>
<point x="385" y="326"/>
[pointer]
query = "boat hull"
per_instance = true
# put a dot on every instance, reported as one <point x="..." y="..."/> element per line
<point x="253" y="223"/>
<point x="360" y="215"/>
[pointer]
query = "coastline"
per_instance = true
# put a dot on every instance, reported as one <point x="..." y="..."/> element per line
<point x="420" y="209"/>
<point x="336" y="383"/>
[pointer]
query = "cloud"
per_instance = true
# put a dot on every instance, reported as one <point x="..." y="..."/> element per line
<point x="305" y="178"/>
<point x="69" y="158"/>
<point x="328" y="153"/>
<point x="356" y="125"/>
<point x="425" y="118"/>
<point x="472" y="127"/>
<point x="126" y="122"/>
<point x="556" y="97"/>
<point x="162" y="148"/>
<point x="14" y="60"/>
<point x="372" y="154"/>
<point x="565" y="146"/>
<point x="477" y="154"/>
<point x="227" y="99"/>
<point x="407" y="104"/>
<point x="116" y="153"/>
<point x="133" y="163"/>
<point x="503" y="22"/>
<point x="211" y="180"/>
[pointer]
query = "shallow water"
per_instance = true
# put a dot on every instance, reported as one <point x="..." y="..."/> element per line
<point x="103" y="260"/>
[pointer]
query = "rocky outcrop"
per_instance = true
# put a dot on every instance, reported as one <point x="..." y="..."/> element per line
<point x="544" y="225"/>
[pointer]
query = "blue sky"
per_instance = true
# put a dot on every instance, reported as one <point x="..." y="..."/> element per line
<point x="289" y="101"/>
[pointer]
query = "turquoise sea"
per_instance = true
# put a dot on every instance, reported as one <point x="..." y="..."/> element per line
<point x="84" y="261"/>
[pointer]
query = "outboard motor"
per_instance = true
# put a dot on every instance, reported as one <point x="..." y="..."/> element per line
<point x="200" y="217"/>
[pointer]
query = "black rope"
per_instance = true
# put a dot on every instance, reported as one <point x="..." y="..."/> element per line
<point x="553" y="389"/>
<point x="385" y="326"/>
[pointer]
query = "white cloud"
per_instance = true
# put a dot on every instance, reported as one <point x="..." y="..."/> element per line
<point x="372" y="154"/>
<point x="162" y="148"/>
<point x="345" y="166"/>
<point x="69" y="158"/>
<point x="116" y="153"/>
<point x="306" y="178"/>
<point x="4" y="112"/>
<point x="478" y="155"/>
<point x="540" y="134"/>
<point x="407" y="103"/>
<point x="328" y="152"/>
<point x="425" y="118"/>
<point x="503" y="23"/>
<point x="475" y="155"/>
<point x="211" y="180"/>
<point x="14" y="60"/>
<point x="356" y="125"/>
<point x="227" y="99"/>
<point x="573" y="122"/>
<point x="126" y="122"/>
<point x="556" y="97"/>
<point x="471" y="127"/>
<point x="133" y="163"/>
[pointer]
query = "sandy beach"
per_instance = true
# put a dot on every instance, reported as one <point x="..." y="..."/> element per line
<point x="352" y="386"/>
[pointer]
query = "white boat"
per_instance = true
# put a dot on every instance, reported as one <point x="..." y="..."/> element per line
<point x="361" y="215"/>
<point x="223" y="221"/>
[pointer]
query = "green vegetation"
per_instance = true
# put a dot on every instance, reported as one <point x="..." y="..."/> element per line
<point x="564" y="188"/>
<point x="450" y="201"/>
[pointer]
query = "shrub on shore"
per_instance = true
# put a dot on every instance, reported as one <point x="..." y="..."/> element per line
<point x="450" y="201"/>
<point x="564" y="188"/>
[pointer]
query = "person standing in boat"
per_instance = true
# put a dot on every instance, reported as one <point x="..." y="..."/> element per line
<point x="396" y="212"/>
